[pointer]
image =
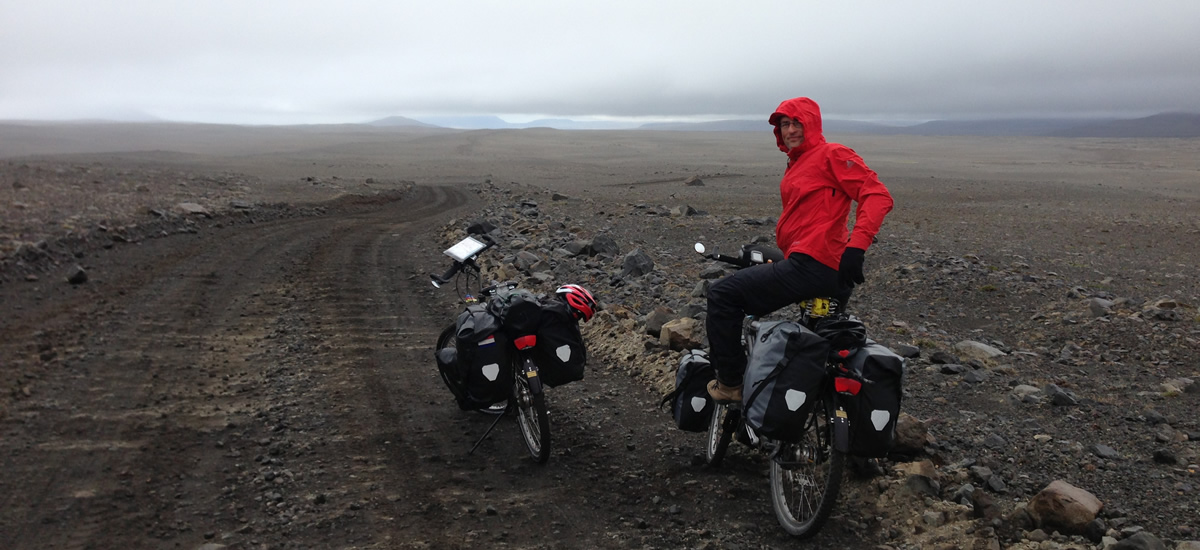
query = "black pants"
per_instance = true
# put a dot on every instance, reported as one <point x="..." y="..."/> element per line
<point x="757" y="291"/>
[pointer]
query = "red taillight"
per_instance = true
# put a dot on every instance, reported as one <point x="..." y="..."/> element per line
<point x="847" y="385"/>
<point x="525" y="342"/>
<point x="843" y="353"/>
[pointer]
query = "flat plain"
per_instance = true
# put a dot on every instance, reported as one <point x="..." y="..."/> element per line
<point x="259" y="375"/>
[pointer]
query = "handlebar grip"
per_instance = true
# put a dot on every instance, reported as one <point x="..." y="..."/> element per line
<point x="445" y="278"/>
<point x="729" y="260"/>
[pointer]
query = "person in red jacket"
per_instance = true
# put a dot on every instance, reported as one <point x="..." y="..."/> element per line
<point x="823" y="258"/>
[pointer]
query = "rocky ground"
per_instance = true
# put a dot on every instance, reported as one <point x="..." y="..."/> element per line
<point x="1021" y="374"/>
<point x="228" y="369"/>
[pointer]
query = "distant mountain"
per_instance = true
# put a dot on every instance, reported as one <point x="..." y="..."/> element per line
<point x="393" y="121"/>
<point x="489" y="122"/>
<point x="568" y="124"/>
<point x="468" y="122"/>
<point x="738" y="125"/>
<point x="1166" y="125"/>
<point x="1001" y="127"/>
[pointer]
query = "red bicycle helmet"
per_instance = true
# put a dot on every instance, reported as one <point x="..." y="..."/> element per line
<point x="579" y="299"/>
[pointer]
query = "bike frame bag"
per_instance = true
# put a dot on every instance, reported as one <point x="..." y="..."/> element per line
<point x="560" y="353"/>
<point x="691" y="406"/>
<point x="874" y="411"/>
<point x="484" y="357"/>
<point x="784" y="373"/>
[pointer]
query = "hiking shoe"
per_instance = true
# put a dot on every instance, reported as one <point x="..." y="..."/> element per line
<point x="724" y="394"/>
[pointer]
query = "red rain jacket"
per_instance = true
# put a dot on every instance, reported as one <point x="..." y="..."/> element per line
<point x="821" y="180"/>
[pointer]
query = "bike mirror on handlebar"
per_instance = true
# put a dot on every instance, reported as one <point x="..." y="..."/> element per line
<point x="700" y="248"/>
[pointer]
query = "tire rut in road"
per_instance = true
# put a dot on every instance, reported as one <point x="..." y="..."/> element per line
<point x="161" y="360"/>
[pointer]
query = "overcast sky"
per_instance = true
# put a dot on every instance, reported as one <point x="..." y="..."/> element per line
<point x="309" y="61"/>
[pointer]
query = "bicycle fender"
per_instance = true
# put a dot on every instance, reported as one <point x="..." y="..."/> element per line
<point x="530" y="372"/>
<point x="841" y="431"/>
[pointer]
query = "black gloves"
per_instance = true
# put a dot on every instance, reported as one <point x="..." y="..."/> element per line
<point x="850" y="272"/>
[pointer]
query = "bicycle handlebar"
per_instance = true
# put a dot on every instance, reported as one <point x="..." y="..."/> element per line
<point x="728" y="259"/>
<point x="445" y="277"/>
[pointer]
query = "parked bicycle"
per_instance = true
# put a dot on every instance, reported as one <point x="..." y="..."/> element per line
<point x="822" y="415"/>
<point x="491" y="357"/>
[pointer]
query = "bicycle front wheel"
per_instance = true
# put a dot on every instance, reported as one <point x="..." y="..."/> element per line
<point x="720" y="431"/>
<point x="447" y="340"/>
<point x="533" y="419"/>
<point x="806" y="476"/>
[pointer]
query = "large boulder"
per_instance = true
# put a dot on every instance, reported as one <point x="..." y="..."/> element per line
<point x="636" y="264"/>
<point x="603" y="244"/>
<point x="977" y="350"/>
<point x="682" y="334"/>
<point x="1064" y="507"/>
<point x="1140" y="541"/>
<point x="656" y="319"/>
<point x="911" y="435"/>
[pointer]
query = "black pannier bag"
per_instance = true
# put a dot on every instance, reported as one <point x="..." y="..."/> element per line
<point x="691" y="406"/>
<point x="519" y="312"/>
<point x="560" y="353"/>
<point x="874" y="411"/>
<point x="783" y="378"/>
<point x="483" y="358"/>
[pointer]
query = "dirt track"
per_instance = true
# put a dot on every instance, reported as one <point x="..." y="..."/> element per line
<point x="270" y="385"/>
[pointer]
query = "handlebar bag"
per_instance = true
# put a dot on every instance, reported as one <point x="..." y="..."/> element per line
<point x="783" y="377"/>
<point x="518" y="310"/>
<point x="691" y="406"/>
<point x="560" y="353"/>
<point x="484" y="358"/>
<point x="873" y="412"/>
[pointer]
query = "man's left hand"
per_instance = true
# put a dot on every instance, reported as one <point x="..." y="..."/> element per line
<point x="851" y="269"/>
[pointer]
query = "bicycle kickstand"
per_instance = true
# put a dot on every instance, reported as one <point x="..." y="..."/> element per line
<point x="489" y="430"/>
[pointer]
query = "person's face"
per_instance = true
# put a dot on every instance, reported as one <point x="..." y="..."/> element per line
<point x="791" y="131"/>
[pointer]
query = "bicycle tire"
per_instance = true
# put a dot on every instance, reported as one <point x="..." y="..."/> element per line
<point x="806" y="476"/>
<point x="447" y="340"/>
<point x="722" y="423"/>
<point x="533" y="419"/>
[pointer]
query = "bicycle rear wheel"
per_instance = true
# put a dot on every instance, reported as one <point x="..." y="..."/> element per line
<point x="720" y="432"/>
<point x="533" y="418"/>
<point x="806" y="476"/>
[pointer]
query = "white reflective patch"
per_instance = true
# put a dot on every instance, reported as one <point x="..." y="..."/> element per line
<point x="698" y="403"/>
<point x="795" y="399"/>
<point x="880" y="419"/>
<point x="491" y="371"/>
<point x="563" y="352"/>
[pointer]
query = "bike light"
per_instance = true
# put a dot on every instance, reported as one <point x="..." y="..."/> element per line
<point x="843" y="353"/>
<point x="847" y="385"/>
<point x="525" y="342"/>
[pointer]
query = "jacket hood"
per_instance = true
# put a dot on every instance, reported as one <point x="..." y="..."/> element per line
<point x="809" y="114"/>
